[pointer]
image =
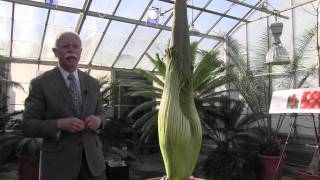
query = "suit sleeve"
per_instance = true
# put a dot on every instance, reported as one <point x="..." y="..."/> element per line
<point x="33" y="124"/>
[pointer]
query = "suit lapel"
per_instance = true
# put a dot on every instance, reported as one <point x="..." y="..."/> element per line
<point x="62" y="87"/>
<point x="84" y="92"/>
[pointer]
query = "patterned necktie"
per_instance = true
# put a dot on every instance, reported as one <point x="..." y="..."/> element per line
<point x="75" y="94"/>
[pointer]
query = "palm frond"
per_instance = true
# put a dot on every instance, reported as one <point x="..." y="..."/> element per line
<point x="151" y="77"/>
<point x="142" y="107"/>
<point x="144" y="118"/>
<point x="158" y="63"/>
<point x="145" y="93"/>
<point x="11" y="84"/>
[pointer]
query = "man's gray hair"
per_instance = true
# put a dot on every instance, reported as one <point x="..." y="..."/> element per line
<point x="63" y="33"/>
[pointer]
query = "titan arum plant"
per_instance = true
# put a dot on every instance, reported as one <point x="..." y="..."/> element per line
<point x="179" y="126"/>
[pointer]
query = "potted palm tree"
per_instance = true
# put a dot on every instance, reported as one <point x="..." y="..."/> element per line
<point x="12" y="142"/>
<point x="313" y="171"/>
<point x="256" y="92"/>
<point x="11" y="138"/>
<point x="233" y="156"/>
<point x="10" y="134"/>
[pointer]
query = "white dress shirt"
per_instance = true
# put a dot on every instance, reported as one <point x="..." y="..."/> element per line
<point x="65" y="75"/>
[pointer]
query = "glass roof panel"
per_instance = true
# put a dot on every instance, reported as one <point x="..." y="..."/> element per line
<point x="205" y="21"/>
<point x="136" y="46"/>
<point x="69" y="3"/>
<point x="194" y="38"/>
<point x="28" y="30"/>
<point x="5" y="27"/>
<point x="104" y="6"/>
<point x="224" y="26"/>
<point x="207" y="44"/>
<point x="256" y="15"/>
<point x="252" y="2"/>
<point x="112" y="43"/>
<point x="198" y="3"/>
<point x="278" y="5"/>
<point x="219" y="6"/>
<point x="191" y="14"/>
<point x="160" y="44"/>
<point x="39" y="0"/>
<point x="72" y="3"/>
<point x="90" y="34"/>
<point x="145" y="64"/>
<point x="128" y="10"/>
<point x="238" y="11"/>
<point x="58" y="22"/>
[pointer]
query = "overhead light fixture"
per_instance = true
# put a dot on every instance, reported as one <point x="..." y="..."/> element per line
<point x="264" y="5"/>
<point x="153" y="16"/>
<point x="277" y="54"/>
<point x="51" y="2"/>
<point x="192" y="30"/>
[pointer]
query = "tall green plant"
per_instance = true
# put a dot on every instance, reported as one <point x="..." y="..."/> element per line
<point x="179" y="127"/>
<point x="208" y="75"/>
<point x="109" y="92"/>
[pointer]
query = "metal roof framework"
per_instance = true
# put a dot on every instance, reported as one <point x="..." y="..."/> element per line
<point x="129" y="52"/>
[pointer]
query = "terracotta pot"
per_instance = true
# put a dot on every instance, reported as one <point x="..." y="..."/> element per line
<point x="306" y="176"/>
<point x="269" y="166"/>
<point x="191" y="178"/>
<point x="27" y="170"/>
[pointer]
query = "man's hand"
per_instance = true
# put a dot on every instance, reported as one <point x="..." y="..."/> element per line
<point x="92" y="122"/>
<point x="71" y="124"/>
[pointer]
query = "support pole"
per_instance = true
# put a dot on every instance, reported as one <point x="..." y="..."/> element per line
<point x="285" y="145"/>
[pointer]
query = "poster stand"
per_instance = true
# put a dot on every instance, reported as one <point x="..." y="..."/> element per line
<point x="293" y="121"/>
<point x="295" y="101"/>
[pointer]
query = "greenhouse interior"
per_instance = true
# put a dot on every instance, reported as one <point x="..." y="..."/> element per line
<point x="159" y="89"/>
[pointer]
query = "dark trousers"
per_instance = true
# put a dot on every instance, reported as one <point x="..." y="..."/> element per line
<point x="85" y="173"/>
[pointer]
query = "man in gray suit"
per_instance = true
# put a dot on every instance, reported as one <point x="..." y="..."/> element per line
<point x="64" y="108"/>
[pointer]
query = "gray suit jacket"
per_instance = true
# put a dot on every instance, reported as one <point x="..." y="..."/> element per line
<point x="48" y="101"/>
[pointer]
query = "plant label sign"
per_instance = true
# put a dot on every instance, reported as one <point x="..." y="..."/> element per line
<point x="305" y="100"/>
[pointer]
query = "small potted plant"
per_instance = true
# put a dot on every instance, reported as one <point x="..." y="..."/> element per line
<point x="28" y="153"/>
<point x="270" y="149"/>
